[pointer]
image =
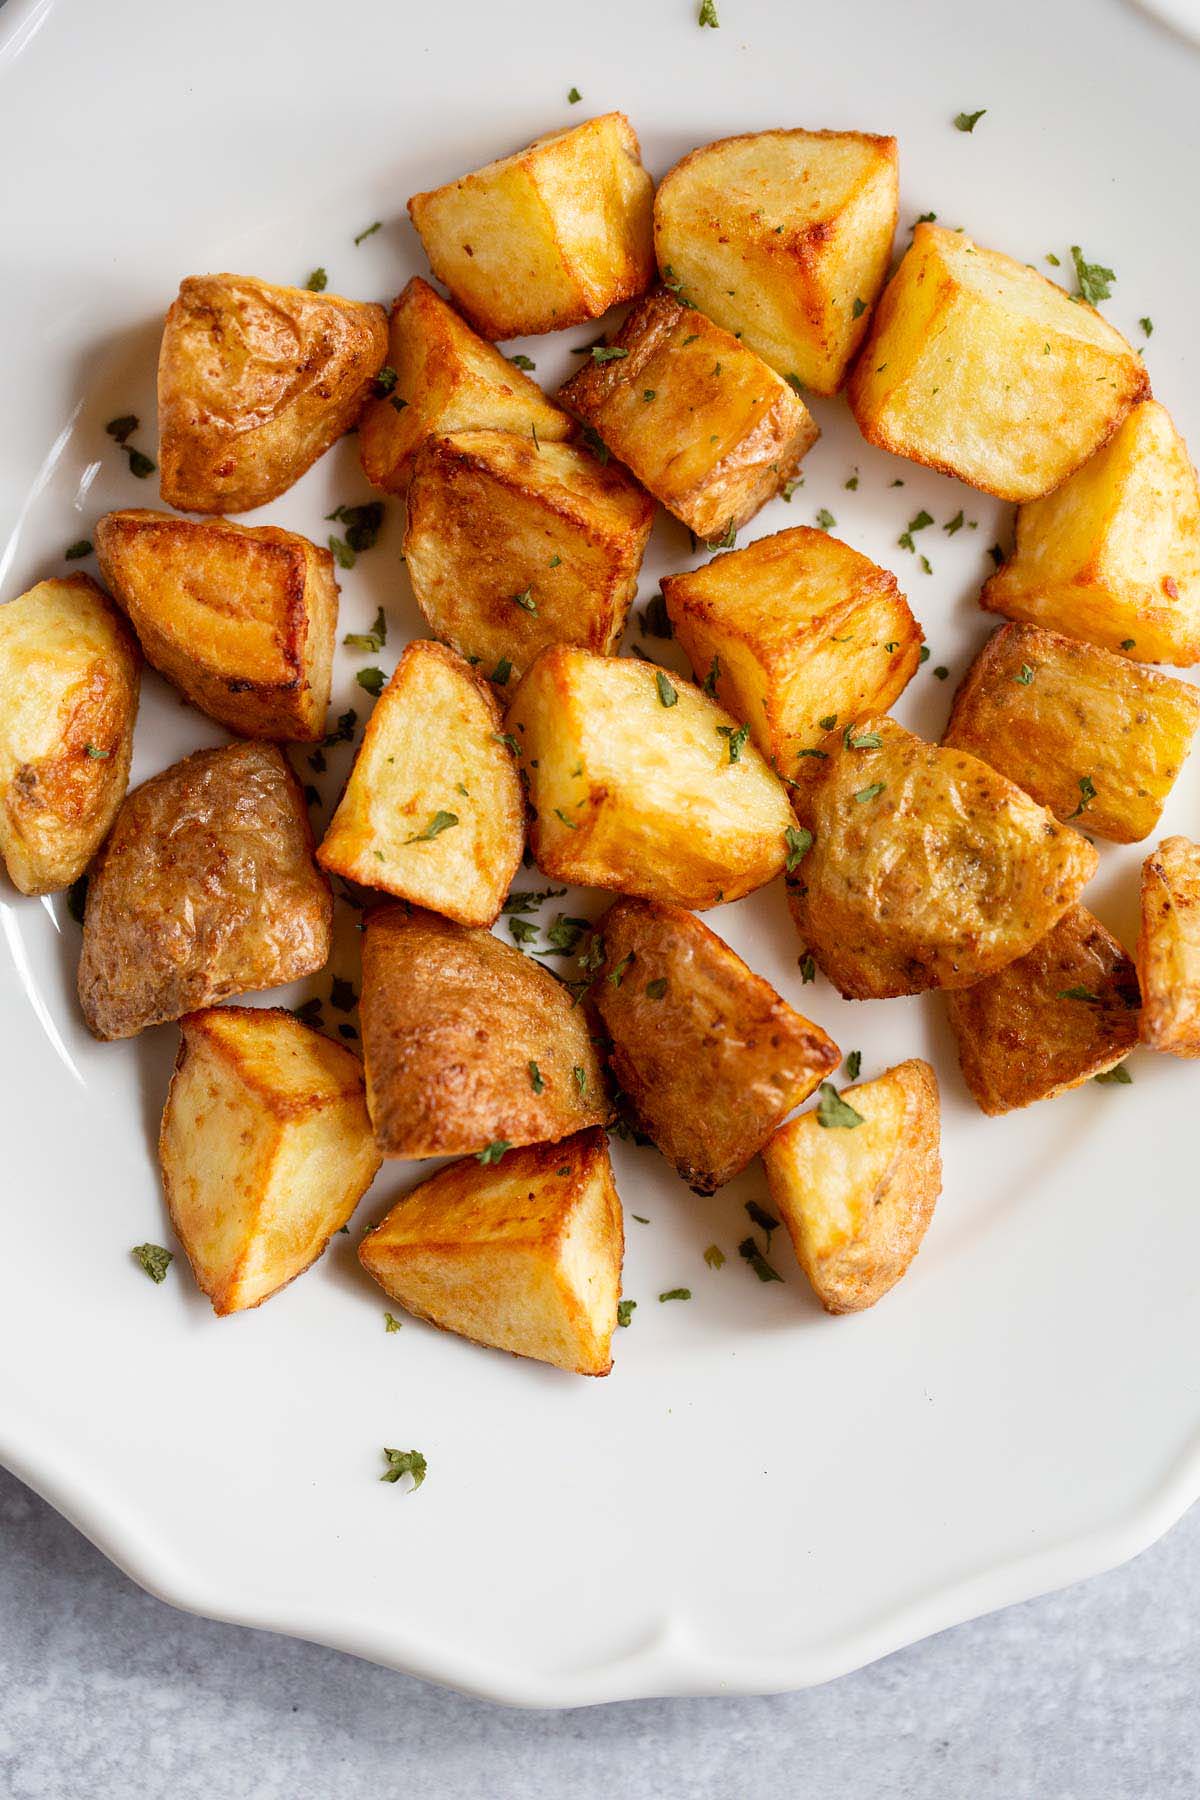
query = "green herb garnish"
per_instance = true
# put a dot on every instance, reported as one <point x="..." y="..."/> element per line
<point x="75" y="551"/>
<point x="964" y="121"/>
<point x="405" y="1462"/>
<point x="317" y="282"/>
<point x="368" y="641"/>
<point x="737" y="737"/>
<point x="1095" y="281"/>
<point x="1087" y="793"/>
<point x="749" y="1251"/>
<point x="154" y="1260"/>
<point x="666" y="693"/>
<point x="625" y="1311"/>
<point x="676" y="1294"/>
<point x="371" y="679"/>
<point x="799" y="841"/>
<point x="714" y="1256"/>
<point x="833" y="1111"/>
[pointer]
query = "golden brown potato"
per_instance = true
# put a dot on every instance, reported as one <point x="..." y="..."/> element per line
<point x="447" y="379"/>
<point x="205" y="888"/>
<point x="856" y="1181"/>
<point x="639" y="782"/>
<point x="469" y="1045"/>
<point x="978" y="366"/>
<point x="265" y="1148"/>
<point x="1168" y="948"/>
<point x="522" y="1256"/>
<point x="512" y="546"/>
<point x="796" y="634"/>
<point x="701" y="420"/>
<point x="241" y="618"/>
<point x="254" y="383"/>
<point x="1086" y="733"/>
<point x="783" y="237"/>
<point x="708" y="1055"/>
<point x="1065" y="1011"/>
<point x="1113" y="555"/>
<point x="553" y="235"/>
<point x="69" y="679"/>
<point x="928" y="869"/>
<point x="432" y="810"/>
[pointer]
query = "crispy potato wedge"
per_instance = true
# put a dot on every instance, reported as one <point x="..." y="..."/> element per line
<point x="796" y="634"/>
<point x="1168" y="948"/>
<point x="1113" y="555"/>
<point x="69" y="680"/>
<point x="447" y="379"/>
<point x="1088" y="734"/>
<point x="524" y="1255"/>
<point x="928" y="868"/>
<point x="708" y="1055"/>
<point x="468" y="1043"/>
<point x="640" y="782"/>
<point x="783" y="237"/>
<point x="265" y="1149"/>
<point x="700" y="419"/>
<point x="857" y="1197"/>
<point x="978" y="366"/>
<point x="241" y="618"/>
<point x="551" y="236"/>
<point x="511" y="547"/>
<point x="205" y="888"/>
<point x="432" y="811"/>
<point x="1063" y="1012"/>
<point x="255" y="382"/>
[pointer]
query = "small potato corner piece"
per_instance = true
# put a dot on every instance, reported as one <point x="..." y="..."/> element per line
<point x="205" y="888"/>
<point x="707" y="1053"/>
<point x="470" y="1046"/>
<point x="701" y="420"/>
<point x="447" y="379"/>
<point x="785" y="238"/>
<point x="1113" y="555"/>
<point x="1064" y="1012"/>
<point x="241" y="618"/>
<point x="637" y="781"/>
<point x="1088" y="734"/>
<point x="978" y="366"/>
<point x="522" y="1255"/>
<point x="1168" y="948"/>
<point x="856" y="1181"/>
<point x="551" y="236"/>
<point x="255" y="382"/>
<point x="69" y="679"/>
<point x="927" y="868"/>
<point x="432" y="811"/>
<point x="797" y="633"/>
<point x="265" y="1148"/>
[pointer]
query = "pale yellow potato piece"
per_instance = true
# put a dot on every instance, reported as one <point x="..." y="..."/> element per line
<point x="265" y="1149"/>
<point x="1168" y="948"/>
<point x="978" y="366"/>
<point x="785" y="238"/>
<point x="857" y="1200"/>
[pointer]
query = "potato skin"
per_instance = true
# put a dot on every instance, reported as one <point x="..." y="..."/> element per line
<point x="205" y="888"/>
<point x="69" y="680"/>
<point x="711" y="1065"/>
<point x="1168" y="948"/>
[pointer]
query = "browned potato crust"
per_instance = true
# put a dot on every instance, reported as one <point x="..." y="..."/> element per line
<point x="206" y="888"/>
<point x="1168" y="948"/>
<point x="708" y="1055"/>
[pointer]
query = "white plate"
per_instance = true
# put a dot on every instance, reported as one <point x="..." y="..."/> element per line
<point x="759" y="1496"/>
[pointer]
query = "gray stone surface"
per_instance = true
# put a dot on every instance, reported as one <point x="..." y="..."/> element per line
<point x="109" y="1695"/>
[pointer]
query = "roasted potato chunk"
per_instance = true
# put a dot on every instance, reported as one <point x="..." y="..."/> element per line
<point x="469" y="1045"/>
<point x="205" y="888"/>
<point x="1168" y="948"/>
<point x="978" y="366"/>
<point x="447" y="379"/>
<point x="1063" y="1012"/>
<point x="433" y="809"/>
<point x="241" y="618"/>
<point x="548" y="237"/>
<point x="708" y="1055"/>
<point x="639" y="782"/>
<point x="783" y="237"/>
<point x="69" y="679"/>
<point x="700" y="419"/>
<point x="856" y="1181"/>
<point x="511" y="546"/>
<point x="1113" y="555"/>
<point x="795" y="634"/>
<point x="1085" y="733"/>
<point x="928" y="868"/>
<point x="254" y="383"/>
<point x="265" y="1148"/>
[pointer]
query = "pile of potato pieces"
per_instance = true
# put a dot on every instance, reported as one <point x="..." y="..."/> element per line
<point x="759" y="268"/>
